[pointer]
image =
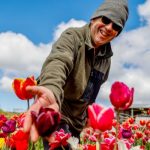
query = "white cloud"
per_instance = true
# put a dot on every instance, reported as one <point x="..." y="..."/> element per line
<point x="19" y="54"/>
<point x="21" y="58"/>
<point x="144" y="11"/>
<point x="6" y="83"/>
<point x="62" y="26"/>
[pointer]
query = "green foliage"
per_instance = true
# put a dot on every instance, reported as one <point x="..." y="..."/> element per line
<point x="37" y="145"/>
<point x="8" y="114"/>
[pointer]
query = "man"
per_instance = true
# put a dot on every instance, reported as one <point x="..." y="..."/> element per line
<point x="77" y="66"/>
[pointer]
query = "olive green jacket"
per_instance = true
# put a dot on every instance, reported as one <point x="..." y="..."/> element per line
<point x="74" y="73"/>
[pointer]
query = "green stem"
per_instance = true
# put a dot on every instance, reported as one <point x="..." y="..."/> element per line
<point x="28" y="104"/>
<point x="62" y="147"/>
<point x="117" y="129"/>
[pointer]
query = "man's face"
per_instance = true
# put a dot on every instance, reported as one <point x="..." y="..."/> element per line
<point x="102" y="32"/>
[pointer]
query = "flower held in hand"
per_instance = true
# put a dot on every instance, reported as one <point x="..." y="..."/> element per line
<point x="46" y="121"/>
<point x="19" y="86"/>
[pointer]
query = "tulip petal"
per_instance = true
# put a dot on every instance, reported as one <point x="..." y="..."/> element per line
<point x="92" y="116"/>
<point x="17" y="86"/>
<point x="28" y="82"/>
<point x="47" y="121"/>
<point x="105" y="119"/>
<point x="121" y="96"/>
<point x="130" y="101"/>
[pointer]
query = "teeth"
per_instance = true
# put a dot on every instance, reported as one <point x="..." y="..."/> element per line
<point x="104" y="33"/>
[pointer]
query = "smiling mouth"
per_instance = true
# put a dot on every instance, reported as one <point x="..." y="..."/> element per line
<point x="104" y="34"/>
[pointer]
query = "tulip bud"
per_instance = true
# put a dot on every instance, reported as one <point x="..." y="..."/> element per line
<point x="46" y="121"/>
<point x="121" y="96"/>
<point x="126" y="133"/>
<point x="9" y="126"/>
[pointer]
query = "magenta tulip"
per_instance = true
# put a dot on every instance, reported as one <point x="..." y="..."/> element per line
<point x="99" y="117"/>
<point x="126" y="133"/>
<point x="9" y="126"/>
<point x="121" y="96"/>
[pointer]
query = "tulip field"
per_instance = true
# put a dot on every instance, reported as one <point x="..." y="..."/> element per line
<point x="103" y="131"/>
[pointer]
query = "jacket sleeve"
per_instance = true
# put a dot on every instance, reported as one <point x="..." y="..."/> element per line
<point x="59" y="64"/>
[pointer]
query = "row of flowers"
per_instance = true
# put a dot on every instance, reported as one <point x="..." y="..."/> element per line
<point x="130" y="133"/>
<point x="103" y="131"/>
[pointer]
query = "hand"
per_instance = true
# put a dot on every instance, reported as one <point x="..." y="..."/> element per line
<point x="43" y="98"/>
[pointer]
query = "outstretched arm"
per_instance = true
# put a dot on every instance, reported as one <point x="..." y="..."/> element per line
<point x="43" y="98"/>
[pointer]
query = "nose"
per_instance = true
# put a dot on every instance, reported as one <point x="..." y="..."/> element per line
<point x="109" y="26"/>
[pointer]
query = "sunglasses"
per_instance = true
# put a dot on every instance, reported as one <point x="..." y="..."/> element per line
<point x="107" y="21"/>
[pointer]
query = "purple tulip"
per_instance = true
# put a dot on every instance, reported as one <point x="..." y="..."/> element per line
<point x="9" y="126"/>
<point x="126" y="133"/>
<point x="46" y="121"/>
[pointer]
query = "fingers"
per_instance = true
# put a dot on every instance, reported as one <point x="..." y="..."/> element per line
<point x="27" y="122"/>
<point x="34" y="134"/>
<point x="28" y="117"/>
<point x="51" y="138"/>
<point x="54" y="106"/>
<point x="35" y="90"/>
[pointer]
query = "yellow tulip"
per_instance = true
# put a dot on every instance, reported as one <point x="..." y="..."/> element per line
<point x="2" y="142"/>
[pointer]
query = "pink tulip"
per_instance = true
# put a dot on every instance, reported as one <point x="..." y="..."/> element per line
<point x="121" y="96"/>
<point x="110" y="142"/>
<point x="99" y="117"/>
<point x="60" y="139"/>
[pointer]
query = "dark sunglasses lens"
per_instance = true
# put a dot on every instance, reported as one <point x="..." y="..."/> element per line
<point x="116" y="27"/>
<point x="105" y="20"/>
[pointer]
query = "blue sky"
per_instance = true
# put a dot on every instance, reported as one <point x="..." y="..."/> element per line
<point x="37" y="19"/>
<point x="28" y="29"/>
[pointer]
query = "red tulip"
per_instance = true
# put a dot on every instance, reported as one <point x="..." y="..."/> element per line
<point x="148" y="124"/>
<point x="121" y="96"/>
<point x="46" y="121"/>
<point x="99" y="117"/>
<point x="10" y="142"/>
<point x="131" y="120"/>
<point x="3" y="135"/>
<point x="104" y="146"/>
<point x="148" y="111"/>
<point x="3" y="119"/>
<point x="142" y="122"/>
<point x="19" y="86"/>
<point x="21" y="140"/>
<point x="139" y="134"/>
<point x="91" y="147"/>
<point x="20" y="120"/>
